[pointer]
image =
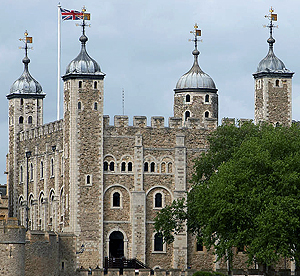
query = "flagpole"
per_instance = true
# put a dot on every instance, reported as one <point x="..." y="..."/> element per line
<point x="58" y="58"/>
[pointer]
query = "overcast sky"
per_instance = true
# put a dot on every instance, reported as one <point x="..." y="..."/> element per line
<point x="143" y="48"/>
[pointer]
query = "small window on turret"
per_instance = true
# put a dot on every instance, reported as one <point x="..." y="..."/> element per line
<point x="30" y="120"/>
<point x="96" y="106"/>
<point x="21" y="119"/>
<point x="207" y="98"/>
<point x="79" y="105"/>
<point x="187" y="115"/>
<point x="95" y="85"/>
<point x="80" y="84"/>
<point x="277" y="83"/>
<point x="206" y="114"/>
<point x="21" y="101"/>
<point x="187" y="98"/>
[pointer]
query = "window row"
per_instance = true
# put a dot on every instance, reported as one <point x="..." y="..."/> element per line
<point x="29" y="120"/>
<point x="188" y="98"/>
<point x="187" y="114"/>
<point x="30" y="172"/>
<point x="79" y="106"/>
<point x="95" y="85"/>
<point x="116" y="200"/>
<point x="165" y="167"/>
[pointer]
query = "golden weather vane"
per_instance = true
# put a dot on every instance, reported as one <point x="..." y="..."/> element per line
<point x="196" y="32"/>
<point x="27" y="39"/>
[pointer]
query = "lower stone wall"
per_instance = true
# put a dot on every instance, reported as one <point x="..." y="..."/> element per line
<point x="41" y="253"/>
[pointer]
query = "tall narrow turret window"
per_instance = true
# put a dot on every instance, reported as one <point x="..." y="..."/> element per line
<point x="152" y="167"/>
<point x="146" y="167"/>
<point x="21" y="120"/>
<point x="52" y="167"/>
<point x="95" y="85"/>
<point x="130" y="166"/>
<point x="21" y="175"/>
<point x="31" y="171"/>
<point x="96" y="106"/>
<point x="207" y="98"/>
<point x="206" y="114"/>
<point x="112" y="166"/>
<point x="79" y="105"/>
<point x="105" y="166"/>
<point x="187" y="98"/>
<point x="116" y="199"/>
<point x="277" y="83"/>
<point x="21" y="102"/>
<point x="123" y="167"/>
<point x="30" y="120"/>
<point x="158" y="200"/>
<point x="42" y="169"/>
<point x="80" y="84"/>
<point x="187" y="115"/>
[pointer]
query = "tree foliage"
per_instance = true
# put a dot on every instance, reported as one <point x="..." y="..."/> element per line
<point x="246" y="193"/>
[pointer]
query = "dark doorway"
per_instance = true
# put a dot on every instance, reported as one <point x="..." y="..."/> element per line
<point x="116" y="245"/>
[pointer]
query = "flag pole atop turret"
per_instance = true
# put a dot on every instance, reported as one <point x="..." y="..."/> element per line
<point x="64" y="14"/>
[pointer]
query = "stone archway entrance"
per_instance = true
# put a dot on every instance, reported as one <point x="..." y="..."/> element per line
<point x="116" y="245"/>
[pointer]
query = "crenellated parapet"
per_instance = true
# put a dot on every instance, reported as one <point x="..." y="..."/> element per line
<point x="121" y="121"/>
<point x="41" y="131"/>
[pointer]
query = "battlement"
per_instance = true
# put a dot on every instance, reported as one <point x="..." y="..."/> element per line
<point x="41" y="130"/>
<point x="234" y="121"/>
<point x="159" y="122"/>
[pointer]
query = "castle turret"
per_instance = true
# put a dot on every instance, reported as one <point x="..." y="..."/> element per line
<point x="83" y="154"/>
<point x="273" y="86"/>
<point x="196" y="93"/>
<point x="25" y="111"/>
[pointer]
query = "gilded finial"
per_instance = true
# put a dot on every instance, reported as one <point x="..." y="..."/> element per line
<point x="272" y="17"/>
<point x="27" y="39"/>
<point x="196" y="32"/>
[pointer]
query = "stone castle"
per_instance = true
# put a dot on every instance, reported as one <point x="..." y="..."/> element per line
<point x="82" y="191"/>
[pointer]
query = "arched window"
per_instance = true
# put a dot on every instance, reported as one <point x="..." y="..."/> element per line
<point x="206" y="114"/>
<point x="21" y="119"/>
<point x="80" y="84"/>
<point x="187" y="98"/>
<point x="169" y="167"/>
<point x="152" y="167"/>
<point x="277" y="83"/>
<point x="105" y="166"/>
<point x="158" y="242"/>
<point x="21" y="175"/>
<point x="163" y="167"/>
<point x="88" y="180"/>
<point x="130" y="166"/>
<point x="112" y="166"/>
<point x="146" y="167"/>
<point x="95" y="85"/>
<point x="52" y="167"/>
<point x="207" y="98"/>
<point x="116" y="200"/>
<point x="158" y="200"/>
<point x="123" y="167"/>
<point x="30" y="120"/>
<point x="79" y="105"/>
<point x="199" y="245"/>
<point x="96" y="106"/>
<point x="187" y="114"/>
<point x="42" y="169"/>
<point x="31" y="171"/>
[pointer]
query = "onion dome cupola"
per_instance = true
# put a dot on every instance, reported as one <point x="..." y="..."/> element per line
<point x="83" y="66"/>
<point x="271" y="64"/>
<point x="196" y="93"/>
<point x="273" y="85"/>
<point x="26" y="86"/>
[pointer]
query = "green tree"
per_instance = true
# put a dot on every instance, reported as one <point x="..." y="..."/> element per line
<point x="246" y="193"/>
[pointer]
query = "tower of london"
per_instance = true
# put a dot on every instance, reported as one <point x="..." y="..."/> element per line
<point x="85" y="192"/>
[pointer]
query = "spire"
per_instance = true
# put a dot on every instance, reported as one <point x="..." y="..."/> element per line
<point x="272" y="17"/>
<point x="195" y="78"/>
<point x="26" y="84"/>
<point x="83" y="64"/>
<point x="271" y="63"/>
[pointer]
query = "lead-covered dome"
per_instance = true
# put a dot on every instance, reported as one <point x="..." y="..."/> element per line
<point x="83" y="63"/>
<point x="26" y="84"/>
<point x="195" y="78"/>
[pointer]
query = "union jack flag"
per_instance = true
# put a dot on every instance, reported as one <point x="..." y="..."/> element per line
<point x="70" y="14"/>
